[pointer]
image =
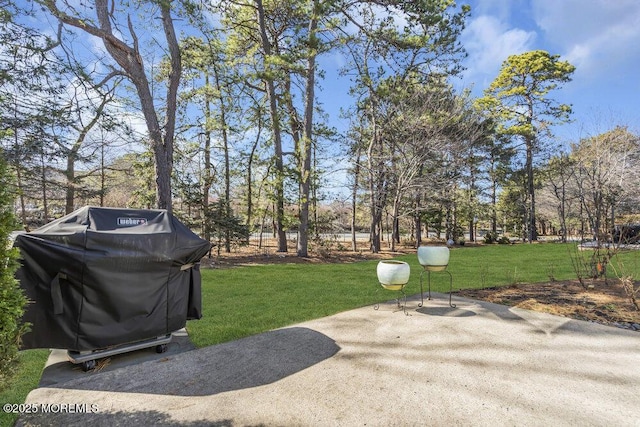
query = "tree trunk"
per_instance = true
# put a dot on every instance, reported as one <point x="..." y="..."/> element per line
<point x="19" y="183"/>
<point x="72" y="153"/>
<point x="129" y="58"/>
<point x="207" y="180"/>
<point x="531" y="223"/>
<point x="395" y="228"/>
<point x="307" y="137"/>
<point x="277" y="137"/>
<point x="103" y="175"/>
<point x="175" y="72"/>
<point x="354" y="201"/>
<point x="250" y="176"/>
<point x="227" y="168"/>
<point x="374" y="194"/>
<point x="70" y="184"/>
<point x="494" y="205"/>
<point x="417" y="222"/>
<point x="43" y="183"/>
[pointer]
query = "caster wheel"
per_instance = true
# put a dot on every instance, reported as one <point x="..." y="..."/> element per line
<point x="88" y="365"/>
<point x="162" y="348"/>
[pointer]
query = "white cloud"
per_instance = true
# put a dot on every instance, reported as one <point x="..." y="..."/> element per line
<point x="489" y="42"/>
<point x="502" y="9"/>
<point x="594" y="35"/>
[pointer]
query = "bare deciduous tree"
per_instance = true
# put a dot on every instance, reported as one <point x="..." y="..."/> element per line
<point x="129" y="58"/>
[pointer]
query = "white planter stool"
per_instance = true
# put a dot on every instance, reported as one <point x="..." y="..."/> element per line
<point x="434" y="258"/>
<point x="394" y="275"/>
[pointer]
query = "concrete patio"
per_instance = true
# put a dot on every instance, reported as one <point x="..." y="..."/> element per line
<point x="478" y="364"/>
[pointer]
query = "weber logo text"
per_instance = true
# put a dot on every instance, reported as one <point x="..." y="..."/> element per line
<point x="130" y="222"/>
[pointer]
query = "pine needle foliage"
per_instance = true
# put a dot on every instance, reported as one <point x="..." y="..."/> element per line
<point x="12" y="299"/>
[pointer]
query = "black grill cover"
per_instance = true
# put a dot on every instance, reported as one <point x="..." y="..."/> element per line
<point x="100" y="277"/>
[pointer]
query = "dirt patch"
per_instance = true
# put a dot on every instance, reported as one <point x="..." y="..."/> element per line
<point x="272" y="257"/>
<point x="602" y="302"/>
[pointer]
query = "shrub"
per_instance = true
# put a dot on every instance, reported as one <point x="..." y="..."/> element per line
<point x="492" y="237"/>
<point x="504" y="240"/>
<point x="12" y="299"/>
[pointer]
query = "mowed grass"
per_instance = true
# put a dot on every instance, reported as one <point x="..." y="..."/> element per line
<point x="30" y="365"/>
<point x="242" y="301"/>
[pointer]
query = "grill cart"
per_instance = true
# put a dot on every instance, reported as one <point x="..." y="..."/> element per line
<point x="104" y="281"/>
<point x="87" y="359"/>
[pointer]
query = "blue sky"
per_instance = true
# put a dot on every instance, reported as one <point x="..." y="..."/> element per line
<point x="601" y="38"/>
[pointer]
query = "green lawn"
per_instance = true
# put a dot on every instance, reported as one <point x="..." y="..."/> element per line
<point x="242" y="301"/>
<point x="238" y="302"/>
<point x="27" y="378"/>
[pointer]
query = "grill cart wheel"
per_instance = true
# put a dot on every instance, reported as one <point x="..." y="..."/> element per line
<point x="88" y="365"/>
<point x="161" y="348"/>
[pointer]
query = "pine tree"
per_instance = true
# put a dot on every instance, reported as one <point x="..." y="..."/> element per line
<point x="12" y="299"/>
<point x="519" y="100"/>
